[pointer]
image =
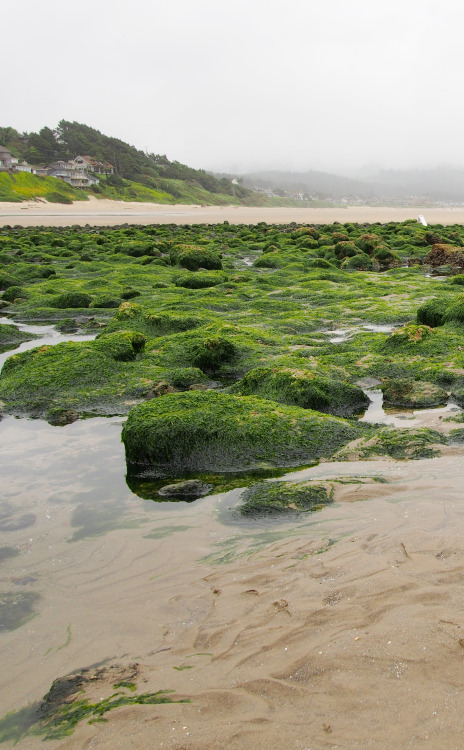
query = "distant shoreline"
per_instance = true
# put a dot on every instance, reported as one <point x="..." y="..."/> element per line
<point x="109" y="213"/>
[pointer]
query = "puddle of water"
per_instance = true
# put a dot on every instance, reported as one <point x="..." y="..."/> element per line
<point x="379" y="328"/>
<point x="48" y="336"/>
<point x="340" y="335"/>
<point x="375" y="413"/>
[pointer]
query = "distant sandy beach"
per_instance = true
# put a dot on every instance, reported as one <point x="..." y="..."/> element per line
<point x="106" y="212"/>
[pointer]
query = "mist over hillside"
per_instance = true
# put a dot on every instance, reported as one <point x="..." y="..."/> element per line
<point x="440" y="184"/>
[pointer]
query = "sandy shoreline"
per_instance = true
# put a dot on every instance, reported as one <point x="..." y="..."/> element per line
<point x="345" y="631"/>
<point x="106" y="212"/>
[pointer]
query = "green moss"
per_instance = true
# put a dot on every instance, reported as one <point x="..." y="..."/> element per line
<point x="200" y="431"/>
<point x="300" y="387"/>
<point x="397" y="444"/>
<point x="270" y="498"/>
<point x="71" y="300"/>
<point x="122" y="346"/>
<point x="432" y="313"/>
<point x="199" y="280"/>
<point x="210" y="354"/>
<point x="408" y="337"/>
<point x="454" y="312"/>
<point x="193" y="258"/>
<point x="11" y="337"/>
<point x="12" y="293"/>
<point x="404" y="392"/>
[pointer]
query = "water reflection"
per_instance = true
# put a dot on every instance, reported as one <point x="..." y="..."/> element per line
<point x="46" y="335"/>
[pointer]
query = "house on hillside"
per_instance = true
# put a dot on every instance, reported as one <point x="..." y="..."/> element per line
<point x="88" y="164"/>
<point x="65" y="171"/>
<point x="6" y="159"/>
<point x="23" y="166"/>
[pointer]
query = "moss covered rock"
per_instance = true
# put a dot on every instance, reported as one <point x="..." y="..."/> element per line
<point x="397" y="444"/>
<point x="432" y="312"/>
<point x="198" y="431"/>
<point x="271" y="498"/>
<point x="409" y="337"/>
<point x="122" y="346"/>
<point x="210" y="354"/>
<point x="200" y="280"/>
<point x="416" y="394"/>
<point x="300" y="387"/>
<point x="11" y="337"/>
<point x="193" y="258"/>
<point x="71" y="300"/>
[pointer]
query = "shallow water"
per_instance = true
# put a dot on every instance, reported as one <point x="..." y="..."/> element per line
<point x="375" y="413"/>
<point x="48" y="336"/>
<point x="90" y="571"/>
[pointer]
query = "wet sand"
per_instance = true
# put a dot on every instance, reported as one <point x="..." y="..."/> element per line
<point x="106" y="212"/>
<point x="341" y="629"/>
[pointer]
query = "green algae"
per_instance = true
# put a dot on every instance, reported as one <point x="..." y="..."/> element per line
<point x="284" y="497"/>
<point x="272" y="316"/>
<point x="164" y="531"/>
<point x="63" y="719"/>
<point x="200" y="431"/>
<point x="11" y="337"/>
<point x="402" y="444"/>
<point x="404" y="392"/>
<point x="300" y="387"/>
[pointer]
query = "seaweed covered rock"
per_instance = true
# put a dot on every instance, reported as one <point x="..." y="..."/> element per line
<point x="12" y="293"/>
<point x="30" y="381"/>
<point x="71" y="300"/>
<point x="358" y="262"/>
<point x="193" y="257"/>
<point x="398" y="444"/>
<point x="210" y="354"/>
<point x="417" y="394"/>
<point x="11" y="337"/>
<point x="302" y="388"/>
<point x="454" y="313"/>
<point x="197" y="431"/>
<point x="445" y="255"/>
<point x="409" y="337"/>
<point x="200" y="280"/>
<point x="122" y="346"/>
<point x="271" y="498"/>
<point x="432" y="312"/>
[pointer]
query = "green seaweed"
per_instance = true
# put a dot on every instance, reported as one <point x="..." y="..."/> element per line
<point x="267" y="498"/>
<point x="207" y="431"/>
<point x="62" y="721"/>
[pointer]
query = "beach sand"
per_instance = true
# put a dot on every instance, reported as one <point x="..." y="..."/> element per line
<point x="347" y="632"/>
<point x="104" y="212"/>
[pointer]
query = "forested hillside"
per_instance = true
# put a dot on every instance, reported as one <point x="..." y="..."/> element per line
<point x="153" y="171"/>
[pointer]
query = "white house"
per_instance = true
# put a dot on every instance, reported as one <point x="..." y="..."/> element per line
<point x="88" y="164"/>
<point x="6" y="158"/>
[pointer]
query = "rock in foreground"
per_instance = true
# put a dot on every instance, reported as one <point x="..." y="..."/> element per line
<point x="208" y="431"/>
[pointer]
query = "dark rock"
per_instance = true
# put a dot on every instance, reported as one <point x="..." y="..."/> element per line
<point x="191" y="488"/>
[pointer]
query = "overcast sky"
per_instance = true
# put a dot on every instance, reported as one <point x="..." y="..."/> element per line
<point x="243" y="84"/>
